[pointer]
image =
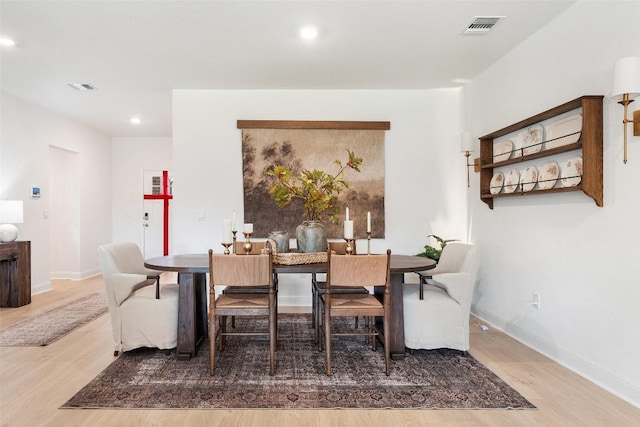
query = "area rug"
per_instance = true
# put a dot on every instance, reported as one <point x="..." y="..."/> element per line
<point x="52" y="325"/>
<point x="147" y="378"/>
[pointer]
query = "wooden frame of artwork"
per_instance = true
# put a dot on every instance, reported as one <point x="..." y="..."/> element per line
<point x="313" y="145"/>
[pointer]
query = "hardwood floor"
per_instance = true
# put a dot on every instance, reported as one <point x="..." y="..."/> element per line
<point x="36" y="381"/>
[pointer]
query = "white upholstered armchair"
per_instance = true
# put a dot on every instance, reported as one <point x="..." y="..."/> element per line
<point x="141" y="314"/>
<point x="441" y="318"/>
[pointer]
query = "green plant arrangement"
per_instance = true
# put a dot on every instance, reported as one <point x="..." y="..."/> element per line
<point x="317" y="189"/>
<point x="432" y="252"/>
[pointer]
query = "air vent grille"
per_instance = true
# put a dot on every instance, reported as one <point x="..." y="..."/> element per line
<point x="82" y="86"/>
<point x="482" y="24"/>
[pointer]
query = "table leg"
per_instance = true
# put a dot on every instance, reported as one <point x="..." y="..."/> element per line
<point x="192" y="314"/>
<point x="396" y="319"/>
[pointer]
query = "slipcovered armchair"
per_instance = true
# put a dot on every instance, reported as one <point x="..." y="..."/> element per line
<point x="441" y="318"/>
<point x="142" y="315"/>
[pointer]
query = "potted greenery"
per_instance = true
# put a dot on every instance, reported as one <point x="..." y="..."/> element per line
<point x="318" y="191"/>
<point x="431" y="251"/>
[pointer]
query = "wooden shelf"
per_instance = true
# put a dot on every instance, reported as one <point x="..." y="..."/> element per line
<point x="589" y="145"/>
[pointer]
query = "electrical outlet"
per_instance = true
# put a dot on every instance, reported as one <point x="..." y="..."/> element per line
<point x="535" y="302"/>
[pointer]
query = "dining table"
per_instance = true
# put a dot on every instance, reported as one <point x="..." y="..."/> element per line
<point x="192" y="272"/>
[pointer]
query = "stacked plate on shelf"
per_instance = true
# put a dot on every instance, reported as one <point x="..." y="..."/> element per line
<point x="564" y="131"/>
<point x="529" y="141"/>
<point x="546" y="177"/>
<point x="503" y="150"/>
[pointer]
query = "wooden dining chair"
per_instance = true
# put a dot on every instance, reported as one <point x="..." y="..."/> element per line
<point x="241" y="271"/>
<point x="256" y="249"/>
<point x="318" y="287"/>
<point x="355" y="271"/>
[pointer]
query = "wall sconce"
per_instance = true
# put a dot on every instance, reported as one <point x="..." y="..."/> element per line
<point x="10" y="213"/>
<point x="626" y="86"/>
<point x="466" y="146"/>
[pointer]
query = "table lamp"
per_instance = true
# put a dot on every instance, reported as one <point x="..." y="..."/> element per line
<point x="10" y="213"/>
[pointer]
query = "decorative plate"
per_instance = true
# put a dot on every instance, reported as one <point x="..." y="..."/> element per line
<point x="564" y="131"/>
<point x="503" y="150"/>
<point x="571" y="172"/>
<point x="511" y="181"/>
<point x="530" y="141"/>
<point x="496" y="183"/>
<point x="548" y="176"/>
<point x="528" y="178"/>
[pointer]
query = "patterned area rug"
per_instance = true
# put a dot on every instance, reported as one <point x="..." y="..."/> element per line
<point x="52" y="325"/>
<point x="147" y="378"/>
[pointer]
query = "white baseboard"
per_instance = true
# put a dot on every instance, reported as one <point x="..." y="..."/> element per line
<point x="613" y="384"/>
<point x="294" y="301"/>
<point x="40" y="288"/>
<point x="74" y="275"/>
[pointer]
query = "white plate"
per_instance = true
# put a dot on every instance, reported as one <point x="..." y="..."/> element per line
<point x="571" y="172"/>
<point x="548" y="176"/>
<point x="496" y="183"/>
<point x="511" y="181"/>
<point x="502" y="150"/>
<point x="528" y="178"/>
<point x="530" y="140"/>
<point x="564" y="131"/>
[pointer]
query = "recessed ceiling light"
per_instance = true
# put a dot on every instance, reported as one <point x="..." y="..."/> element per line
<point x="309" y="33"/>
<point x="6" y="41"/>
<point x="460" y="81"/>
<point x="135" y="120"/>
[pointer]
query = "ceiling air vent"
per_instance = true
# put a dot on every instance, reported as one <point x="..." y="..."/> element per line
<point x="482" y="24"/>
<point x="82" y="86"/>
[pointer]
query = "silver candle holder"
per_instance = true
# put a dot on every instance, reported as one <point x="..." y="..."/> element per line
<point x="368" y="243"/>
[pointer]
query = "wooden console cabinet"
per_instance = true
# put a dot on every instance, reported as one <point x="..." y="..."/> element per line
<point x="15" y="274"/>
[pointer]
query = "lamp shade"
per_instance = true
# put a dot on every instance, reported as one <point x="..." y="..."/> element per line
<point x="466" y="142"/>
<point x="626" y="77"/>
<point x="11" y="212"/>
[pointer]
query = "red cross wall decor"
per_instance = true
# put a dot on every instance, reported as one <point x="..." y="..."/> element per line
<point x="165" y="196"/>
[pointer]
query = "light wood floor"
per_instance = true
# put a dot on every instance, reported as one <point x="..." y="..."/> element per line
<point x="35" y="382"/>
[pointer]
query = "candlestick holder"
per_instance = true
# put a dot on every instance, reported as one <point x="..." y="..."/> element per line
<point x="226" y="248"/>
<point x="368" y="243"/>
<point x="247" y="244"/>
<point x="349" y="249"/>
<point x="233" y="248"/>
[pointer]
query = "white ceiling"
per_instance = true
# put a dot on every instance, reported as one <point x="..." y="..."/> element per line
<point x="136" y="52"/>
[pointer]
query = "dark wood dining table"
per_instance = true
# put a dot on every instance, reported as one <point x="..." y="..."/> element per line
<point x="192" y="309"/>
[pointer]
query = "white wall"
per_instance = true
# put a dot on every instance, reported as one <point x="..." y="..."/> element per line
<point x="581" y="259"/>
<point x="425" y="173"/>
<point x="26" y="133"/>
<point x="131" y="157"/>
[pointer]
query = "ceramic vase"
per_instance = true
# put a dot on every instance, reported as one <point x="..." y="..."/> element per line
<point x="282" y="241"/>
<point x="311" y="236"/>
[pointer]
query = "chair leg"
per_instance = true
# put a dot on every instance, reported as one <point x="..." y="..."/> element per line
<point x="318" y="323"/>
<point x="212" y="346"/>
<point x="223" y="330"/>
<point x="387" y="351"/>
<point x="272" y="345"/>
<point x="314" y="307"/>
<point x="327" y="335"/>
<point x="373" y="334"/>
